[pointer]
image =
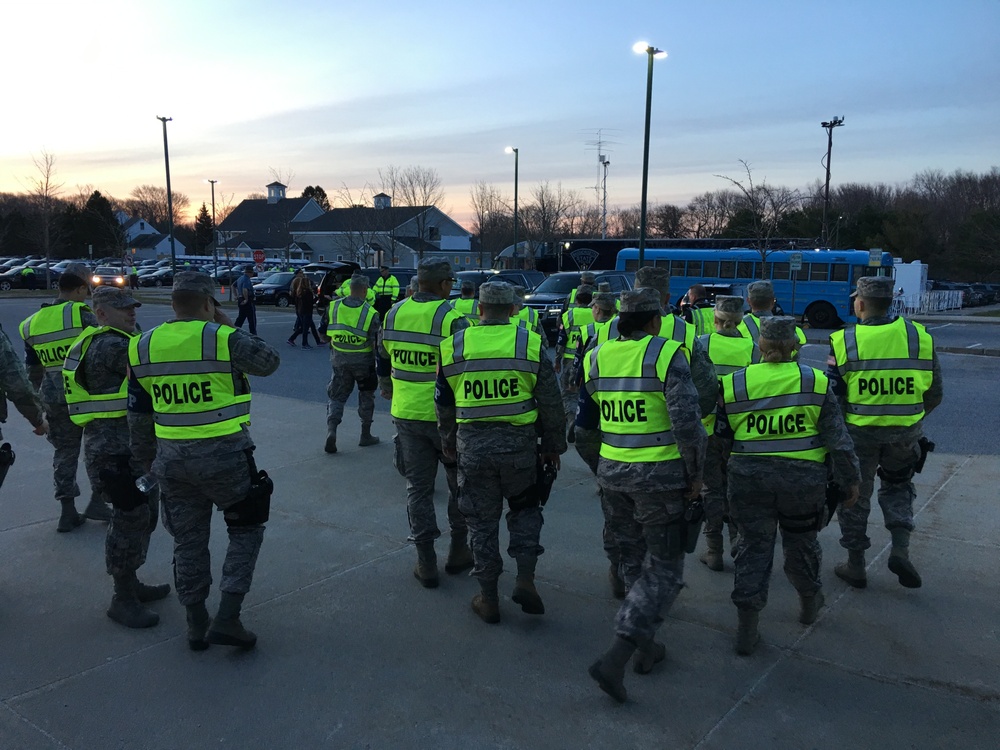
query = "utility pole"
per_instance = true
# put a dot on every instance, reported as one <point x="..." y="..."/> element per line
<point x="170" y="197"/>
<point x="836" y="122"/>
<point x="215" y="239"/>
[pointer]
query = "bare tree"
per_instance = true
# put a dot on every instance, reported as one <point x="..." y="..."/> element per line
<point x="414" y="187"/>
<point x="364" y="223"/>
<point x="544" y="217"/>
<point x="45" y="193"/>
<point x="492" y="221"/>
<point x="765" y="208"/>
<point x="282" y="175"/>
<point x="149" y="202"/>
<point x="666" y="220"/>
<point x="708" y="214"/>
<point x="624" y="222"/>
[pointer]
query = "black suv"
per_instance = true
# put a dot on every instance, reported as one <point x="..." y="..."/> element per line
<point x="528" y="279"/>
<point x="549" y="297"/>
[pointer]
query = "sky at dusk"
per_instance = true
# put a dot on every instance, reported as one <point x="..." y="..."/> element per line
<point x="333" y="92"/>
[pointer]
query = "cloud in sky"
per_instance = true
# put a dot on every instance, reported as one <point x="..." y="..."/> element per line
<point x="334" y="93"/>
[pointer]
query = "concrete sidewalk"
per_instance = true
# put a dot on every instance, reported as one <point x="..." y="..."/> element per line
<point x="353" y="653"/>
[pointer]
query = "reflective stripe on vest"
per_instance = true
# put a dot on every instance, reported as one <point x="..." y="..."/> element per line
<point x="467" y="307"/>
<point x="387" y="286"/>
<point x="527" y="317"/>
<point x="574" y="321"/>
<point x="84" y="407"/>
<point x="887" y="370"/>
<point x="703" y="319"/>
<point x="671" y="327"/>
<point x="625" y="378"/>
<point x="186" y="368"/>
<point x="728" y="354"/>
<point x="492" y="371"/>
<point x="774" y="410"/>
<point x="51" y="331"/>
<point x="412" y="336"/>
<point x="349" y="326"/>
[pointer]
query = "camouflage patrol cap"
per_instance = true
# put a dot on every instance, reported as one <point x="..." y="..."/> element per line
<point x="112" y="296"/>
<point x="434" y="269"/>
<point x="874" y="287"/>
<point x="587" y="277"/>
<point x="78" y="269"/>
<point x="496" y="293"/>
<point x="653" y="277"/>
<point x="646" y="299"/>
<point x="777" y="328"/>
<point x="729" y="305"/>
<point x="604" y="286"/>
<point x="195" y="281"/>
<point x="603" y="300"/>
<point x="520" y="291"/>
<point x="760" y="290"/>
<point x="468" y="286"/>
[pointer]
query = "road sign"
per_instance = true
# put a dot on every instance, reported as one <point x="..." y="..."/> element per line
<point x="795" y="261"/>
<point x="875" y="257"/>
<point x="258" y="256"/>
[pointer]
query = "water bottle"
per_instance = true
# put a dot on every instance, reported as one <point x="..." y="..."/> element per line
<point x="146" y="483"/>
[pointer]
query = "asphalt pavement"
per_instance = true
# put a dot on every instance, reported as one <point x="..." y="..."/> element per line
<point x="353" y="653"/>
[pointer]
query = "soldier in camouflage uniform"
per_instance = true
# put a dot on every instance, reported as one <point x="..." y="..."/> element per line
<point x="496" y="394"/>
<point x="98" y="365"/>
<point x="639" y="391"/>
<point x="199" y="474"/>
<point x="66" y="437"/>
<point x="353" y="327"/>
<point x="729" y="351"/>
<point x="886" y="426"/>
<point x="784" y="427"/>
<point x="574" y="321"/>
<point x="406" y="364"/>
<point x="14" y="385"/>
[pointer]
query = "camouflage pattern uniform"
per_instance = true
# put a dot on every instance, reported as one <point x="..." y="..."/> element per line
<point x="894" y="449"/>
<point x="65" y="436"/>
<point x="497" y="460"/>
<point x="350" y="368"/>
<point x="768" y="492"/>
<point x="197" y="475"/>
<point x="654" y="494"/>
<point x="103" y="369"/>
<point x="14" y="385"/>
<point x="418" y="449"/>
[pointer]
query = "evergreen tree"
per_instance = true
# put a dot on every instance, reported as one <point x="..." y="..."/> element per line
<point x="202" y="230"/>
<point x="318" y="194"/>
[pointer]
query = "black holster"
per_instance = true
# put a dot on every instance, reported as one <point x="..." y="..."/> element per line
<point x="835" y="495"/>
<point x="537" y="493"/>
<point x="255" y="508"/>
<point x="926" y="446"/>
<point x="120" y="486"/>
<point x="6" y="461"/>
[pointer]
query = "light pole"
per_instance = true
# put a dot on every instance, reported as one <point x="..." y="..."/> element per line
<point x="651" y="52"/>
<point x="836" y="122"/>
<point x="170" y="198"/>
<point x="512" y="150"/>
<point x="215" y="240"/>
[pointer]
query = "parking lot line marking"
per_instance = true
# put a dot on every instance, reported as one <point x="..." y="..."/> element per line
<point x="943" y="325"/>
<point x="973" y="346"/>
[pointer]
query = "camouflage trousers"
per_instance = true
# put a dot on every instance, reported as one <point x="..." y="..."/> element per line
<point x="661" y="576"/>
<point x="715" y="480"/>
<point x="418" y="451"/>
<point x="66" y="438"/>
<point x="128" y="535"/>
<point x="484" y="481"/>
<point x="570" y="389"/>
<point x="341" y="387"/>
<point x="895" y="498"/>
<point x="761" y="504"/>
<point x="192" y="489"/>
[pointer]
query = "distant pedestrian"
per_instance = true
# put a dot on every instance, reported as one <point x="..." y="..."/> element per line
<point x="303" y="298"/>
<point x="245" y="303"/>
<point x="386" y="291"/>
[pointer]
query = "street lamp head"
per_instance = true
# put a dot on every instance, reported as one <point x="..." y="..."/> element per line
<point x="510" y="150"/>
<point x="644" y="47"/>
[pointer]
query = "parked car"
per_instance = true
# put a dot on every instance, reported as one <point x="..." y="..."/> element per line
<point x="159" y="277"/>
<point x="549" y="298"/>
<point x="333" y="275"/>
<point x="987" y="295"/>
<point x="12" y="279"/>
<point x="274" y="290"/>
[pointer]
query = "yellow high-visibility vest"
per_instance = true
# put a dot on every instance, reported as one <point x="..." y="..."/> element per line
<point x="185" y="366"/>
<point x="492" y="370"/>
<point x="773" y="409"/>
<point x="51" y="331"/>
<point x="84" y="406"/>
<point x="887" y="370"/>
<point x="349" y="326"/>
<point x="625" y="378"/>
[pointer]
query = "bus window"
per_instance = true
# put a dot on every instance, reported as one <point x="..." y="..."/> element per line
<point x="662" y="263"/>
<point x="839" y="272"/>
<point x="819" y="271"/>
<point x="694" y="269"/>
<point x="727" y="269"/>
<point x="678" y="268"/>
<point x="711" y="269"/>
<point x="744" y="270"/>
<point x="780" y="271"/>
